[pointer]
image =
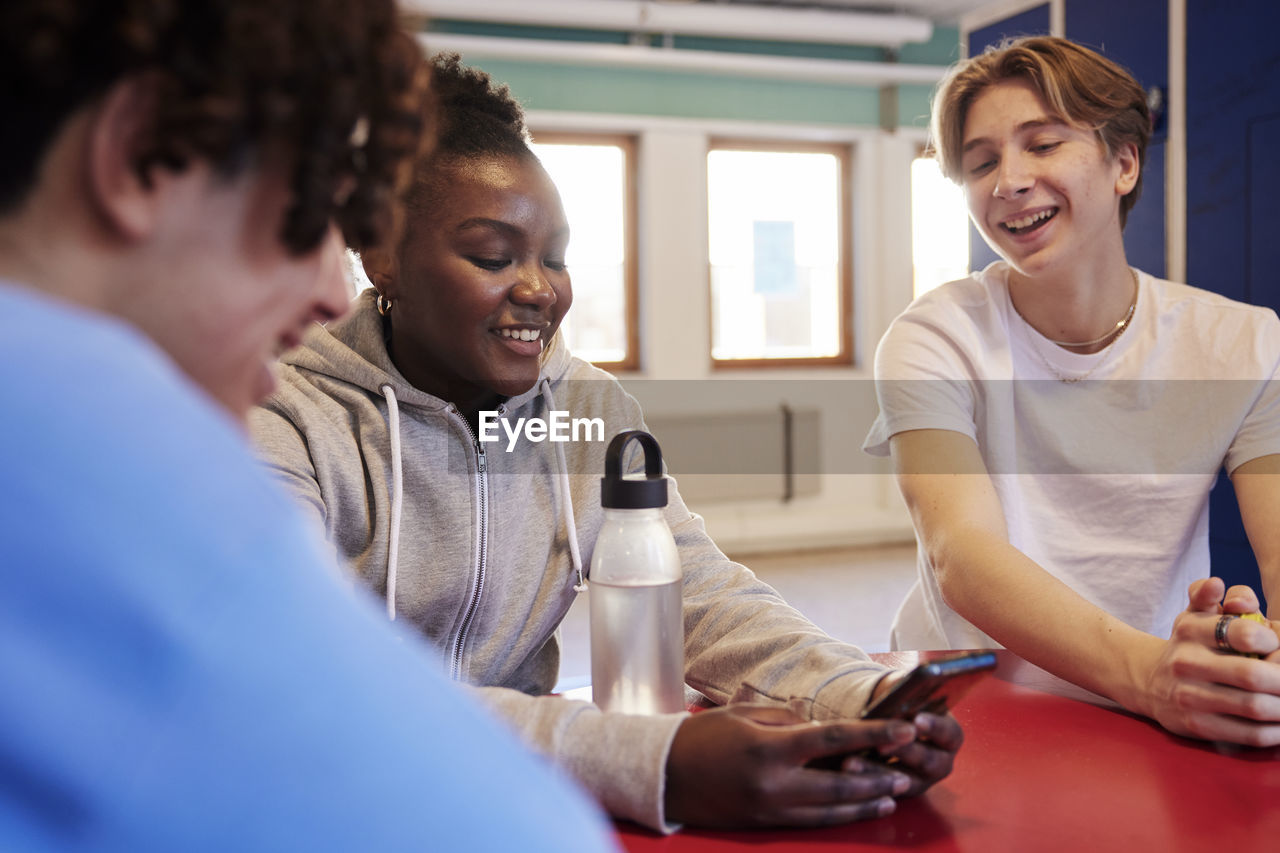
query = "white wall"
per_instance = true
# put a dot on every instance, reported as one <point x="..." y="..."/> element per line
<point x="850" y="508"/>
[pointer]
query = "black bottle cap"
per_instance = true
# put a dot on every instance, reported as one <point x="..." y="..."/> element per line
<point x="618" y="492"/>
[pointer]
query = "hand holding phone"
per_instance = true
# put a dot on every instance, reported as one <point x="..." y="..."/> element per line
<point x="933" y="687"/>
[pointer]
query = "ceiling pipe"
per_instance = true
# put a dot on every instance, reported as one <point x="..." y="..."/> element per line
<point x="847" y="72"/>
<point x="727" y="21"/>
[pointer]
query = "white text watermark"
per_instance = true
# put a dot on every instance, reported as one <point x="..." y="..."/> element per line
<point x="558" y="427"/>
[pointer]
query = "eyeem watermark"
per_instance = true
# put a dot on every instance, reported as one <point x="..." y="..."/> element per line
<point x="558" y="427"/>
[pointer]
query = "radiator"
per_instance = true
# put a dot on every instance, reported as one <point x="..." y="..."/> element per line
<point x="770" y="454"/>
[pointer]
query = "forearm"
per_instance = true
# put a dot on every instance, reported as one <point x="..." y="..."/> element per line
<point x="619" y="759"/>
<point x="1257" y="487"/>
<point x="743" y="643"/>
<point x="1271" y="588"/>
<point x="1018" y="603"/>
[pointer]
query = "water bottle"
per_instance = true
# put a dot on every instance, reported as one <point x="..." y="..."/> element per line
<point x="637" y="626"/>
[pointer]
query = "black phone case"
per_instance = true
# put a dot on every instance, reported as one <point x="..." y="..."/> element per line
<point x="933" y="687"/>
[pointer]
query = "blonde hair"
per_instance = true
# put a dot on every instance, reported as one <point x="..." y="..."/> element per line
<point x="1079" y="86"/>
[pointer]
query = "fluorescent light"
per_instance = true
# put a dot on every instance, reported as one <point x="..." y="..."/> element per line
<point x="477" y="48"/>
<point x="645" y="16"/>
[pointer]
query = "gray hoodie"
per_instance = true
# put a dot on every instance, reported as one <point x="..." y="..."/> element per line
<point x="483" y="550"/>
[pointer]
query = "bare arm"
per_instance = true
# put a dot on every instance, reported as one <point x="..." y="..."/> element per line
<point x="960" y="523"/>
<point x="1257" y="485"/>
<point x="1183" y="682"/>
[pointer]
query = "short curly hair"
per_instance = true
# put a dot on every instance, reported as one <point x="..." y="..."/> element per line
<point x="333" y="90"/>
<point x="473" y="117"/>
<point x="1082" y="87"/>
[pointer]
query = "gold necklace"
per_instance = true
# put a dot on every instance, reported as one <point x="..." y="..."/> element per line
<point x="1114" y="334"/>
<point x="1116" y="330"/>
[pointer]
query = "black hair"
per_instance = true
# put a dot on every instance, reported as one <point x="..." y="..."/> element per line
<point x="473" y="117"/>
<point x="334" y="90"/>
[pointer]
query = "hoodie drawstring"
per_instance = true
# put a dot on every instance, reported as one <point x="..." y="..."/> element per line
<point x="566" y="500"/>
<point x="397" y="497"/>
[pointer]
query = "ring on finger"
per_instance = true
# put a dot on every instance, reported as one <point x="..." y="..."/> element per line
<point x="1220" y="632"/>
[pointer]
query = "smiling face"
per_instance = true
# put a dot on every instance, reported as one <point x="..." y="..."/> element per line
<point x="1042" y="192"/>
<point x="479" y="285"/>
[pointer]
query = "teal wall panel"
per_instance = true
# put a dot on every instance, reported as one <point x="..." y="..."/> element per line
<point x="667" y="93"/>
<point x="913" y="106"/>
<point x="633" y="91"/>
<point x="479" y="28"/>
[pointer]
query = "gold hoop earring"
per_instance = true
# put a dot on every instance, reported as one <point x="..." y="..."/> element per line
<point x="383" y="304"/>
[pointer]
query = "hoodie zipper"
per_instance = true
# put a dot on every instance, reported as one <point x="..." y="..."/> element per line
<point x="482" y="544"/>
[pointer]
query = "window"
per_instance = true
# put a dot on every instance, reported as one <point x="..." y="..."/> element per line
<point x="939" y="227"/>
<point x="781" y="281"/>
<point x="594" y="175"/>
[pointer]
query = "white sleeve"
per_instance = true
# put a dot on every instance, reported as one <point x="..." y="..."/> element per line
<point x="1259" y="434"/>
<point x="924" y="380"/>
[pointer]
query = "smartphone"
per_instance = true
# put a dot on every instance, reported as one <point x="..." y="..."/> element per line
<point x="932" y="687"/>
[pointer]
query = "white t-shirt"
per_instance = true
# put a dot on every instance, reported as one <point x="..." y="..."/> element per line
<point x="1102" y="462"/>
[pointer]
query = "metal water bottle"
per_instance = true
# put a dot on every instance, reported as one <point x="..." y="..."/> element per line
<point x="637" y="633"/>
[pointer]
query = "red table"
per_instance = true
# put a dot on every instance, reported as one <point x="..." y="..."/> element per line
<point x="1040" y="772"/>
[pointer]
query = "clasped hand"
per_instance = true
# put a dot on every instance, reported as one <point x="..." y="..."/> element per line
<point x="1200" y="691"/>
<point x="752" y="766"/>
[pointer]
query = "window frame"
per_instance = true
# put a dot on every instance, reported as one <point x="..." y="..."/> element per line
<point x="843" y="152"/>
<point x="923" y="152"/>
<point x="629" y="143"/>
